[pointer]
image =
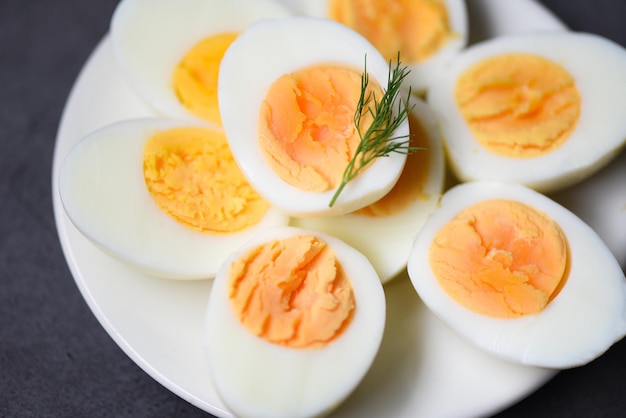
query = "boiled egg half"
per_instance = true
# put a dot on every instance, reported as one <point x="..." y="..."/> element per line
<point x="519" y="276"/>
<point x="288" y="92"/>
<point x="163" y="195"/>
<point x="541" y="109"/>
<point x="427" y="34"/>
<point x="170" y="51"/>
<point x="294" y="320"/>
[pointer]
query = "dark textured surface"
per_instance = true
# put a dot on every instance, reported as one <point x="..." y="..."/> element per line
<point x="55" y="358"/>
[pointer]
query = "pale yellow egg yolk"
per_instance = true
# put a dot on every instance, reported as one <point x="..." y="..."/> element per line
<point x="414" y="28"/>
<point x="518" y="105"/>
<point x="292" y="292"/>
<point x="192" y="175"/>
<point x="410" y="185"/>
<point x="195" y="77"/>
<point x="500" y="258"/>
<point x="306" y="125"/>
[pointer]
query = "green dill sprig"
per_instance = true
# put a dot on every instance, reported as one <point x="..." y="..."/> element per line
<point x="377" y="141"/>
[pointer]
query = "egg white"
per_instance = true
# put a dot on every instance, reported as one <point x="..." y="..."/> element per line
<point x="597" y="65"/>
<point x="104" y="194"/>
<point x="586" y="317"/>
<point x="254" y="61"/>
<point x="256" y="378"/>
<point x="422" y="73"/>
<point x="387" y="240"/>
<point x="150" y="37"/>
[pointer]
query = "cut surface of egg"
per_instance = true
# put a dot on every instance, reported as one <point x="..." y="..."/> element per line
<point x="531" y="109"/>
<point x="294" y="320"/>
<point x="170" y="51"/>
<point x="165" y="196"/>
<point x="291" y="122"/>
<point x="519" y="275"/>
<point x="426" y="33"/>
<point x="385" y="230"/>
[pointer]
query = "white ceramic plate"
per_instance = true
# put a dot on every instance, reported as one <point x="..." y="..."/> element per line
<point x="423" y="369"/>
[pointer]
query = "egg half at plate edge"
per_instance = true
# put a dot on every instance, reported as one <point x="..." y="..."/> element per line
<point x="281" y="341"/>
<point x="385" y="230"/>
<point x="162" y="195"/>
<point x="477" y="265"/>
<point x="169" y="51"/>
<point x="541" y="109"/>
<point x="290" y="123"/>
<point x="428" y="34"/>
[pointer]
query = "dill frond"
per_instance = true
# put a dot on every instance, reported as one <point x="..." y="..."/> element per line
<point x="378" y="140"/>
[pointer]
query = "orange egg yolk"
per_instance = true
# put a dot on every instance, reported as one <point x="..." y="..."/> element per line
<point x="414" y="28"/>
<point x="307" y="132"/>
<point x="410" y="185"/>
<point x="500" y="258"/>
<point x="292" y="292"/>
<point x="518" y="105"/>
<point x="195" y="77"/>
<point x="192" y="175"/>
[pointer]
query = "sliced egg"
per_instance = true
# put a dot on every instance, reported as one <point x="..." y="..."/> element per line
<point x="294" y="321"/>
<point x="519" y="275"/>
<point x="385" y="230"/>
<point x="541" y="109"/>
<point x="291" y="122"/>
<point x="163" y="195"/>
<point x="170" y="50"/>
<point x="427" y="34"/>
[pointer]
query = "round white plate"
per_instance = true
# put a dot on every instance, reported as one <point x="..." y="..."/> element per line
<point x="423" y="369"/>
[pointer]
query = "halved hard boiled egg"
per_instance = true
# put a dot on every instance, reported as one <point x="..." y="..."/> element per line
<point x="170" y="51"/>
<point x="519" y="275"/>
<point x="427" y="34"/>
<point x="540" y="109"/>
<point x="291" y="121"/>
<point x="165" y="196"/>
<point x="385" y="230"/>
<point x="294" y="320"/>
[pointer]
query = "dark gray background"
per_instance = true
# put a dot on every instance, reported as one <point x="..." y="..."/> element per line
<point x="55" y="358"/>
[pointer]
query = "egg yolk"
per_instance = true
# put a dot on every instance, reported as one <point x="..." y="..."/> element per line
<point x="307" y="132"/>
<point x="414" y="28"/>
<point x="518" y="105"/>
<point x="192" y="176"/>
<point x="500" y="258"/>
<point x="292" y="292"/>
<point x="410" y="185"/>
<point x="195" y="77"/>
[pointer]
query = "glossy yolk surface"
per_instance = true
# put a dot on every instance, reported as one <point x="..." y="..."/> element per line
<point x="192" y="175"/>
<point x="500" y="258"/>
<point x="415" y="28"/>
<point x="306" y="125"/>
<point x="195" y="77"/>
<point x="292" y="292"/>
<point x="518" y="105"/>
<point x="410" y="185"/>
